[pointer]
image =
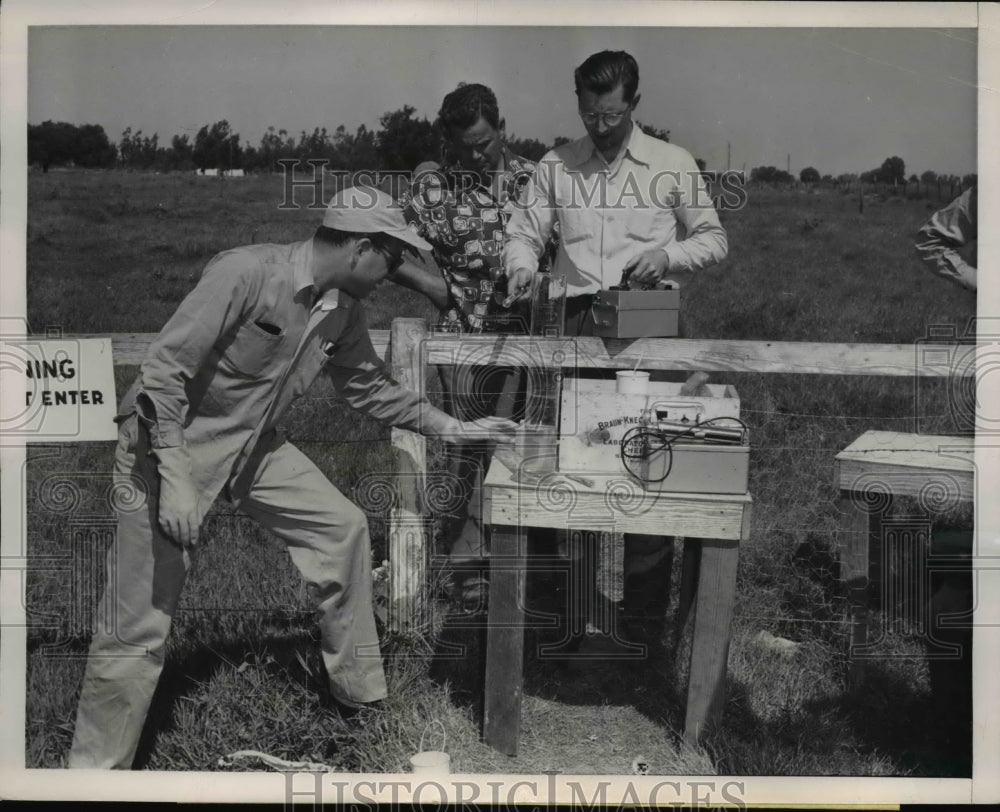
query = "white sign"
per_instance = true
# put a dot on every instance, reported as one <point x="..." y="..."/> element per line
<point x="66" y="391"/>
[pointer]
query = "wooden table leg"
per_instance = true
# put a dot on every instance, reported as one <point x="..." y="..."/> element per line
<point x="713" y="618"/>
<point x="857" y="528"/>
<point x="505" y="640"/>
<point x="691" y="561"/>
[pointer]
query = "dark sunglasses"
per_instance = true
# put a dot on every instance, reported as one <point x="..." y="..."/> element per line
<point x="393" y="259"/>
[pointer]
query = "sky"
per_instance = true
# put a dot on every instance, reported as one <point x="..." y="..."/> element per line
<point x="837" y="99"/>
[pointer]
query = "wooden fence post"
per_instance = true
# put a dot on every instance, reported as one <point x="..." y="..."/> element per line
<point x="409" y="547"/>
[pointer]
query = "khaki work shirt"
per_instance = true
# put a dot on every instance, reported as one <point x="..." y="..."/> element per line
<point x="246" y="343"/>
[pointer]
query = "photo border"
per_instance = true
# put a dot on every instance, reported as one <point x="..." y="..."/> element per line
<point x="19" y="15"/>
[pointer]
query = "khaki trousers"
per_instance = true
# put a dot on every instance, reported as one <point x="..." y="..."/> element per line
<point x="327" y="539"/>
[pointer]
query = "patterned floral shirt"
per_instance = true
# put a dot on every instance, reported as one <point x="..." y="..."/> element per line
<point x="465" y="224"/>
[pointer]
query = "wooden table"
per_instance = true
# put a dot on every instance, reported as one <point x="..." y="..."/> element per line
<point x="936" y="470"/>
<point x="713" y="526"/>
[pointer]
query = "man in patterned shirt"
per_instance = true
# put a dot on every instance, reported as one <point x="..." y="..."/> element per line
<point x="461" y="208"/>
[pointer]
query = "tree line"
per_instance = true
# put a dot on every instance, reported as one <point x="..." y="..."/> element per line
<point x="891" y="175"/>
<point x="401" y="142"/>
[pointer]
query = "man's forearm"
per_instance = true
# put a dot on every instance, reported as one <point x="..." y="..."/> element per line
<point x="422" y="280"/>
<point x="372" y="392"/>
<point x="700" y="250"/>
<point x="705" y="242"/>
<point x="519" y="255"/>
<point x="529" y="228"/>
<point x="946" y="261"/>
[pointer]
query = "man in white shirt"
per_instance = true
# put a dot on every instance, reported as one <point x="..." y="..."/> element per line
<point x="626" y="203"/>
<point x="629" y="206"/>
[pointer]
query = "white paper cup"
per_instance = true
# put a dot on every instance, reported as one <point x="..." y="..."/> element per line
<point x="430" y="762"/>
<point x="633" y="382"/>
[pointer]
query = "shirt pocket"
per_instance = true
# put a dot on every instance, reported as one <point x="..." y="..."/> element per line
<point x="578" y="201"/>
<point x="649" y="222"/>
<point x="253" y="350"/>
<point x="577" y="225"/>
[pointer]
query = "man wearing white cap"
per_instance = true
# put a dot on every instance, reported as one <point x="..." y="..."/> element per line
<point x="262" y="323"/>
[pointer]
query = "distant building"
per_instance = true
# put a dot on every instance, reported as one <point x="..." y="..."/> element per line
<point x="225" y="173"/>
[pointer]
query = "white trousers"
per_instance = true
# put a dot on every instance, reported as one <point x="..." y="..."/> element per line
<point x="327" y="539"/>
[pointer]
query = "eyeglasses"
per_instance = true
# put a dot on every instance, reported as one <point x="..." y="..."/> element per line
<point x="393" y="259"/>
<point x="610" y="119"/>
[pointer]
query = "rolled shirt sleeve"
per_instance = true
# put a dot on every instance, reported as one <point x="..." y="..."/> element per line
<point x="705" y="242"/>
<point x="944" y="233"/>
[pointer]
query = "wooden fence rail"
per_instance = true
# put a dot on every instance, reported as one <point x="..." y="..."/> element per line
<point x="710" y="355"/>
<point x="411" y="350"/>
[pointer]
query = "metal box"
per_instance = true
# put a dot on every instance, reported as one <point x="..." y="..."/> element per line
<point x="594" y="418"/>
<point x="637" y="313"/>
<point x="697" y="468"/>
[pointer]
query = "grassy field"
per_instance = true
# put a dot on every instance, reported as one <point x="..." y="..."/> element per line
<point x="112" y="252"/>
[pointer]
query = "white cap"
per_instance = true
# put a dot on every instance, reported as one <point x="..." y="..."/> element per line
<point x="367" y="210"/>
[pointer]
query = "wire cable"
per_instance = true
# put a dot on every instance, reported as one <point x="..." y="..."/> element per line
<point x="642" y="442"/>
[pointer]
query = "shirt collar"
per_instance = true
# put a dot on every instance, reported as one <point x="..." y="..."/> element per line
<point x="330" y="300"/>
<point x="303" y="281"/>
<point x="636" y="148"/>
<point x="511" y="162"/>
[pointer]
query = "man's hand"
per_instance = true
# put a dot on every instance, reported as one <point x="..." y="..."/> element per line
<point x="646" y="269"/>
<point x="493" y="429"/>
<point x="696" y="386"/>
<point x="519" y="283"/>
<point x="179" y="514"/>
